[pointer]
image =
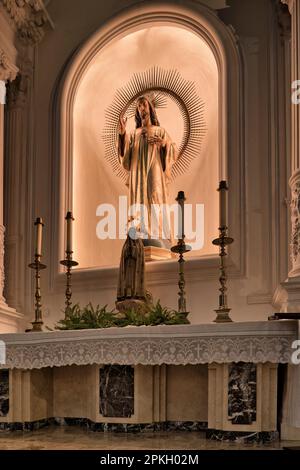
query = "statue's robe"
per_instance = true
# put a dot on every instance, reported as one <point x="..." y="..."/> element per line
<point x="131" y="283"/>
<point x="149" y="167"/>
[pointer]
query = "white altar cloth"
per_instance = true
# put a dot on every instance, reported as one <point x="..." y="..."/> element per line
<point x="257" y="342"/>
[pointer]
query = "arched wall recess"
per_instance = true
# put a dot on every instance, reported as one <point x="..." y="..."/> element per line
<point x="205" y="23"/>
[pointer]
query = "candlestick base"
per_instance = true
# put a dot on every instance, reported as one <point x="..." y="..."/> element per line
<point x="222" y="315"/>
<point x="181" y="248"/>
<point x="69" y="263"/>
<point x="37" y="326"/>
<point x="184" y="317"/>
<point x="37" y="265"/>
<point x="223" y="241"/>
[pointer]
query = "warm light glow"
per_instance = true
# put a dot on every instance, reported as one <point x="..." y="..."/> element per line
<point x="94" y="182"/>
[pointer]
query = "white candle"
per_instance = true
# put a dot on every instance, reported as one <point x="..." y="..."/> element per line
<point x="180" y="199"/>
<point x="223" y="188"/>
<point x="38" y="241"/>
<point x="69" y="219"/>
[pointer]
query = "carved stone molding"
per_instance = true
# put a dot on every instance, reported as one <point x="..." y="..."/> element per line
<point x="250" y="44"/>
<point x="289" y="3"/>
<point x="284" y="21"/>
<point x="295" y="219"/>
<point x="8" y="70"/>
<point x="29" y="18"/>
<point x="256" y="342"/>
<point x="17" y="91"/>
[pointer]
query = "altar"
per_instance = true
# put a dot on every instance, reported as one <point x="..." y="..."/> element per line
<point x="214" y="377"/>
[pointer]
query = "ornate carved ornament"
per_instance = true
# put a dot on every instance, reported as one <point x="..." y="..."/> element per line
<point x="17" y="91"/>
<point x="295" y="219"/>
<point x="284" y="20"/>
<point x="289" y="3"/>
<point x="8" y="70"/>
<point x="29" y="18"/>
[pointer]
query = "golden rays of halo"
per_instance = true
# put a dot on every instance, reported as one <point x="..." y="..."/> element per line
<point x="160" y="84"/>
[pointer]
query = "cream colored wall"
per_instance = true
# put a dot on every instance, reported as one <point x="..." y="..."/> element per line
<point x="251" y="290"/>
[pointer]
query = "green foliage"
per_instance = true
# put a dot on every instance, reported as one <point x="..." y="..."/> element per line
<point x="159" y="315"/>
<point x="86" y="318"/>
<point x="99" y="317"/>
<point x="131" y="317"/>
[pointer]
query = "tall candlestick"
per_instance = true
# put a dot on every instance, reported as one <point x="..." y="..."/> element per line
<point x="38" y="241"/>
<point x="223" y="309"/>
<point x="37" y="324"/>
<point x="223" y="240"/>
<point x="69" y="219"/>
<point x="223" y="188"/>
<point x="180" y="199"/>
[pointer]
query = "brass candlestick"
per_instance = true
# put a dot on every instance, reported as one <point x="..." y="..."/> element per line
<point x="222" y="242"/>
<point x="181" y="248"/>
<point x="37" y="324"/>
<point x="69" y="263"/>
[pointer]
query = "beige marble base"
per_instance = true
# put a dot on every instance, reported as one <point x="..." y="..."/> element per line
<point x="10" y="319"/>
<point x="154" y="253"/>
<point x="289" y="433"/>
<point x="173" y="393"/>
<point x="161" y="393"/>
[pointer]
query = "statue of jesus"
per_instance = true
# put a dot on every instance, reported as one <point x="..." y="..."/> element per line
<point x="147" y="153"/>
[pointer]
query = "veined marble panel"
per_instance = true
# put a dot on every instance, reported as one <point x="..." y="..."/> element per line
<point x="4" y="393"/>
<point x="117" y="391"/>
<point x="242" y="393"/>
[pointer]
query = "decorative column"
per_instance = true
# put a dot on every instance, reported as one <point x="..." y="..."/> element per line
<point x="24" y="26"/>
<point x="17" y="126"/>
<point x="9" y="318"/>
<point x="291" y="302"/>
<point x="290" y="426"/>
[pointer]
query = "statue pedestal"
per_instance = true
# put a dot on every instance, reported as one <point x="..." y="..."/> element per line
<point x="10" y="319"/>
<point x="139" y="306"/>
<point x="155" y="253"/>
<point x="288" y="296"/>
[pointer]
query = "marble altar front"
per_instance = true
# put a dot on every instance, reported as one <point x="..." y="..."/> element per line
<point x="217" y="377"/>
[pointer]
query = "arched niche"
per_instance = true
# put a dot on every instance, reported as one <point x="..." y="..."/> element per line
<point x="220" y="40"/>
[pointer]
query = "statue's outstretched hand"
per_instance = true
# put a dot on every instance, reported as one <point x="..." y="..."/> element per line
<point x="157" y="140"/>
<point x="122" y="124"/>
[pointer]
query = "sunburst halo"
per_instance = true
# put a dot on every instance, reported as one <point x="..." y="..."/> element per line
<point x="161" y="84"/>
